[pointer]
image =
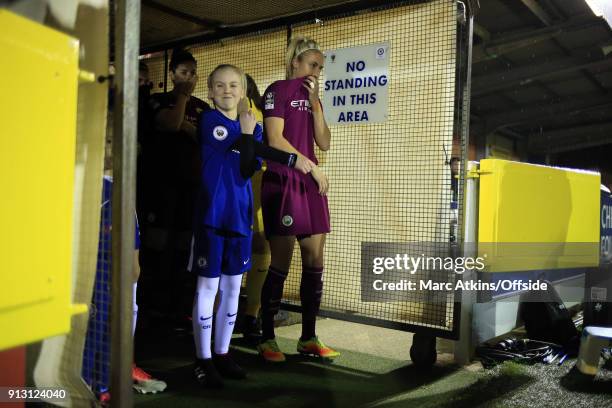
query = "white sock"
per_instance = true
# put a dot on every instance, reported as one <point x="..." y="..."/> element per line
<point x="229" y="291"/>
<point x="134" y="308"/>
<point x="202" y="316"/>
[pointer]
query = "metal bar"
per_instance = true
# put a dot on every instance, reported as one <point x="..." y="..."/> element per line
<point x="464" y="119"/>
<point x="371" y="321"/>
<point x="127" y="41"/>
<point x="204" y="22"/>
<point x="464" y="348"/>
<point x="596" y="83"/>
<point x="539" y="12"/>
<point x="482" y="32"/>
<point x="556" y="141"/>
<point x="526" y="75"/>
<point x="547" y="20"/>
<point x="462" y="318"/>
<point x="542" y="112"/>
<point x="501" y="45"/>
<point x="586" y="73"/>
<point x="487" y="52"/>
<point x="554" y="9"/>
<point x="592" y="141"/>
<point x="279" y="23"/>
<point x="590" y="77"/>
<point x="512" y="134"/>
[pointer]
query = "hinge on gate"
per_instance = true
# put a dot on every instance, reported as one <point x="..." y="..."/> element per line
<point x="476" y="173"/>
<point x="86" y="76"/>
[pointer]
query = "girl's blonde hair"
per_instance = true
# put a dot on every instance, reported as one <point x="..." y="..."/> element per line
<point x="297" y="46"/>
<point x="243" y="80"/>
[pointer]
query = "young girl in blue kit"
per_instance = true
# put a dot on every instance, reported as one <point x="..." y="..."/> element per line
<point x="231" y="149"/>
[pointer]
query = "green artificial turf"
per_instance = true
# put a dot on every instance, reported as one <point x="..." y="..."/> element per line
<point x="357" y="380"/>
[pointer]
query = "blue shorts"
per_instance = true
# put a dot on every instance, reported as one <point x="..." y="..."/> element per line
<point x="214" y="253"/>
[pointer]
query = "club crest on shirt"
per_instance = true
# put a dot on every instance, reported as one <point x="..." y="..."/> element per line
<point x="287" y="220"/>
<point x="269" y="102"/>
<point x="202" y="262"/>
<point x="220" y="133"/>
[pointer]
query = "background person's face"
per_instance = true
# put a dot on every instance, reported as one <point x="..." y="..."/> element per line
<point x="184" y="72"/>
<point x="143" y="78"/>
<point x="455" y="166"/>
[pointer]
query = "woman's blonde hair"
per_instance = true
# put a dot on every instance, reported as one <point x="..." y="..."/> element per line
<point x="297" y="46"/>
<point x="243" y="80"/>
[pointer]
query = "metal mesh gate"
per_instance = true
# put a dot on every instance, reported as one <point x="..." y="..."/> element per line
<point x="96" y="355"/>
<point x="390" y="182"/>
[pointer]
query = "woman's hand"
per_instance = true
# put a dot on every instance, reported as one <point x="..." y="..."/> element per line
<point x="187" y="87"/>
<point x="311" y="83"/>
<point x="321" y="180"/>
<point x="304" y="164"/>
<point x="247" y="122"/>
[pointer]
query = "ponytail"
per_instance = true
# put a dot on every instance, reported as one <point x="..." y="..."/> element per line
<point x="297" y="46"/>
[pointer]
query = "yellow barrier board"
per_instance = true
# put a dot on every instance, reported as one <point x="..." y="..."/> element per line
<point x="554" y="210"/>
<point x="37" y="153"/>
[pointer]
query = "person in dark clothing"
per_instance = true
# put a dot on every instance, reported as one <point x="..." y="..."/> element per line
<point x="168" y="183"/>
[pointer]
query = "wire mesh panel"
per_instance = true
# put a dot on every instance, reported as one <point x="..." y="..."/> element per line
<point x="390" y="181"/>
<point x="96" y="356"/>
<point x="156" y="64"/>
<point x="259" y="55"/>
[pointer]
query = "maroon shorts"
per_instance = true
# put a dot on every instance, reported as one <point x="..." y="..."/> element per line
<point x="292" y="204"/>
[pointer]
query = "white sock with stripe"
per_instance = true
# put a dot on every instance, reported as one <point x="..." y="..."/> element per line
<point x="202" y="316"/>
<point x="229" y="291"/>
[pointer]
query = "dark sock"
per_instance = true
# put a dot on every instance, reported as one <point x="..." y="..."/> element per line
<point x="251" y="328"/>
<point x="311" y="289"/>
<point x="271" y="295"/>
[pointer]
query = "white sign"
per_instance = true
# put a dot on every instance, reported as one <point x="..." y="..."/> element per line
<point x="356" y="88"/>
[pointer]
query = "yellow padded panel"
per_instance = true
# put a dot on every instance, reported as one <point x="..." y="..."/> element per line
<point x="554" y="209"/>
<point x="37" y="154"/>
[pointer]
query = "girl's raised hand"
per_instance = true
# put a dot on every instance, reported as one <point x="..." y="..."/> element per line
<point x="247" y="122"/>
<point x="243" y="106"/>
<point x="187" y="87"/>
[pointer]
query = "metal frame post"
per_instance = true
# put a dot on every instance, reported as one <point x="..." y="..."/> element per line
<point x="468" y="212"/>
<point x="127" y="43"/>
